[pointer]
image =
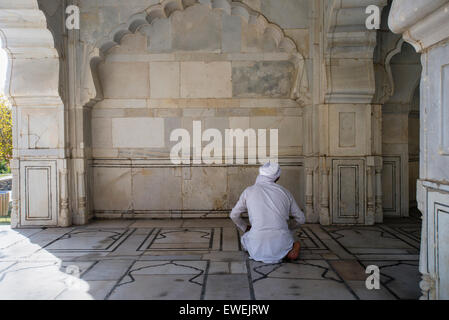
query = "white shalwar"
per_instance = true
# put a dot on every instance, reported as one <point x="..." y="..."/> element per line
<point x="269" y="206"/>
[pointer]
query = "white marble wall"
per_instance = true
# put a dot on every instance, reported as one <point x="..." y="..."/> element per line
<point x="199" y="64"/>
<point x="130" y="76"/>
<point x="130" y="189"/>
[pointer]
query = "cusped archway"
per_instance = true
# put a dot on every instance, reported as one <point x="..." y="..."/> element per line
<point x="218" y="63"/>
<point x="166" y="9"/>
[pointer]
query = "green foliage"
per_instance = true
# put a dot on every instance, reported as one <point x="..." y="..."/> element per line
<point x="5" y="135"/>
<point x="4" y="168"/>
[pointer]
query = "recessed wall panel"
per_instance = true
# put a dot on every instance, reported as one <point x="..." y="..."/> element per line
<point x="348" y="205"/>
<point x="38" y="194"/>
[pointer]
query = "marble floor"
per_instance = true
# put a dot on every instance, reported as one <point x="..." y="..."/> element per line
<point x="203" y="259"/>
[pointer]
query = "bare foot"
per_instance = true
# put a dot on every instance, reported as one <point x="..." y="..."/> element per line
<point x="293" y="254"/>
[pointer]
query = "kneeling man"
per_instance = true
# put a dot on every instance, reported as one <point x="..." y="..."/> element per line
<point x="268" y="238"/>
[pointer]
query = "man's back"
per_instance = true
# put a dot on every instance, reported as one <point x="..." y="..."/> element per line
<point x="268" y="205"/>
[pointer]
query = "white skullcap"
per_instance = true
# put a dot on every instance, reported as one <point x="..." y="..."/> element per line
<point x="270" y="170"/>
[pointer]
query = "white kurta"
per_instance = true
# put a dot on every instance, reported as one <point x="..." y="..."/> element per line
<point x="269" y="206"/>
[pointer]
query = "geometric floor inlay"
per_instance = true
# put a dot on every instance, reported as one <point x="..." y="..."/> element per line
<point x="90" y="240"/>
<point x="182" y="239"/>
<point x="202" y="259"/>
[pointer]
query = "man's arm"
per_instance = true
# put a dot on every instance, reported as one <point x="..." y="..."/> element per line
<point x="236" y="213"/>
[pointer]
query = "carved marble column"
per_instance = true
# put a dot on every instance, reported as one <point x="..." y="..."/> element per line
<point x="324" y="201"/>
<point x="425" y="25"/>
<point x="64" y="218"/>
<point x="15" y="195"/>
<point x="82" y="194"/>
<point x="370" y="214"/>
<point x="352" y="133"/>
<point x="39" y="136"/>
<point x="379" y="208"/>
<point x="309" y="192"/>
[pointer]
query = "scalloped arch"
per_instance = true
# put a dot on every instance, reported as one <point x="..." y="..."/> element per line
<point x="397" y="50"/>
<point x="166" y="8"/>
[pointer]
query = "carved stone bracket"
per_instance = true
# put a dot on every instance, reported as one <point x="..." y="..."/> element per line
<point x="422" y="23"/>
<point x="349" y="52"/>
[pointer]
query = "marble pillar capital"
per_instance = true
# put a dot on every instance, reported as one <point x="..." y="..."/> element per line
<point x="423" y="23"/>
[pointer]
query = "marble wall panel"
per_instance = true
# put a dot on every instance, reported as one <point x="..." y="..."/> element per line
<point x="391" y="186"/>
<point x="38" y="193"/>
<point x="39" y="128"/>
<point x="112" y="189"/>
<point x="159" y="36"/>
<point x="206" y="80"/>
<point x="292" y="178"/>
<point x="196" y="29"/>
<point x="272" y="79"/>
<point x="348" y="191"/>
<point x="289" y="14"/>
<point x="101" y="133"/>
<point x="125" y="80"/>
<point x="349" y="127"/>
<point x="207" y="189"/>
<point x="138" y="133"/>
<point x="395" y="128"/>
<point x="170" y="189"/>
<point x="231" y="34"/>
<point x="34" y="77"/>
<point x="254" y="41"/>
<point x="156" y="189"/>
<point x="164" y="79"/>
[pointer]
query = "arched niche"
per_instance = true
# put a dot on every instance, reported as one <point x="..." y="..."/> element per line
<point x="157" y="15"/>
<point x="215" y="62"/>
